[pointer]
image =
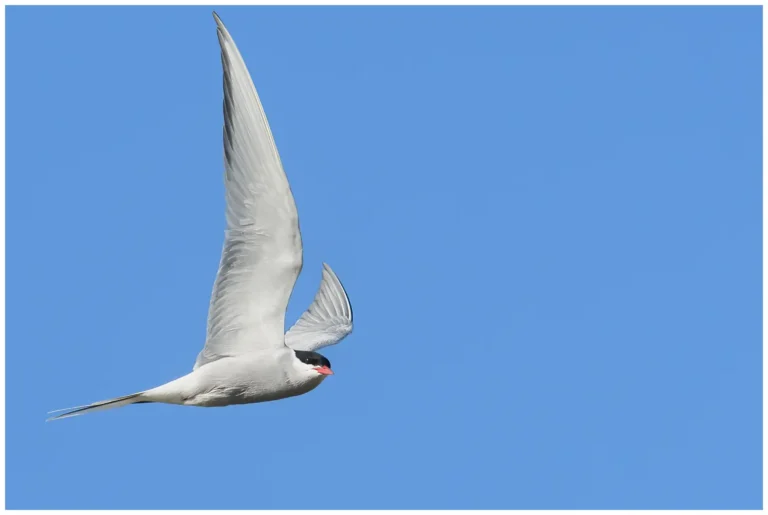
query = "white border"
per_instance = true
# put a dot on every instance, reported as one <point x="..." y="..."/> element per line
<point x="215" y="3"/>
<point x="385" y="2"/>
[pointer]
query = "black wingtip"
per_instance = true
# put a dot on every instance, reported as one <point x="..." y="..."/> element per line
<point x="219" y="23"/>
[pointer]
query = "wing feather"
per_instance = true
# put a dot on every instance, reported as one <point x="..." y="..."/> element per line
<point x="328" y="319"/>
<point x="262" y="254"/>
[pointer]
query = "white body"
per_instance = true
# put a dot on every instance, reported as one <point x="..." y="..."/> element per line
<point x="246" y="357"/>
<point x="259" y="377"/>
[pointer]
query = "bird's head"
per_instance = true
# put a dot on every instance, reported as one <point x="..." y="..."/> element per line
<point x="315" y="362"/>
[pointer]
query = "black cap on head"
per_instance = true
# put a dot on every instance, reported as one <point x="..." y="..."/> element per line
<point x="312" y="358"/>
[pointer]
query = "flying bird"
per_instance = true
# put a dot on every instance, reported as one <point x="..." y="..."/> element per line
<point x="247" y="358"/>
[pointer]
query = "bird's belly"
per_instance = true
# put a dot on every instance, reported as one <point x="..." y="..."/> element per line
<point x="227" y="395"/>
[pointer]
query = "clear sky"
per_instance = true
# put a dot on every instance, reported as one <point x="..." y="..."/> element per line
<point x="547" y="220"/>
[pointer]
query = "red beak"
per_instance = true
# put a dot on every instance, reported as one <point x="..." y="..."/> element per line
<point x="324" y="370"/>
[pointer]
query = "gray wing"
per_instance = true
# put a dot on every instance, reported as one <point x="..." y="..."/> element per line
<point x="328" y="319"/>
<point x="262" y="253"/>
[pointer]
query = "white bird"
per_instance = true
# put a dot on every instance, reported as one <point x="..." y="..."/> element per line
<point x="246" y="357"/>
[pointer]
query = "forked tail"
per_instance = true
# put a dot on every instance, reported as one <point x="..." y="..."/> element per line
<point x="134" y="398"/>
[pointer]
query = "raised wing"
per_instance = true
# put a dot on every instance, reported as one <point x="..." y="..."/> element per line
<point x="262" y="249"/>
<point x="328" y="319"/>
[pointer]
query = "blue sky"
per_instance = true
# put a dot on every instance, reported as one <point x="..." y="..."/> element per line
<point x="547" y="220"/>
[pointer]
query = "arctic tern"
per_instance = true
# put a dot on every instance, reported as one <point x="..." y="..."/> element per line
<point x="246" y="357"/>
